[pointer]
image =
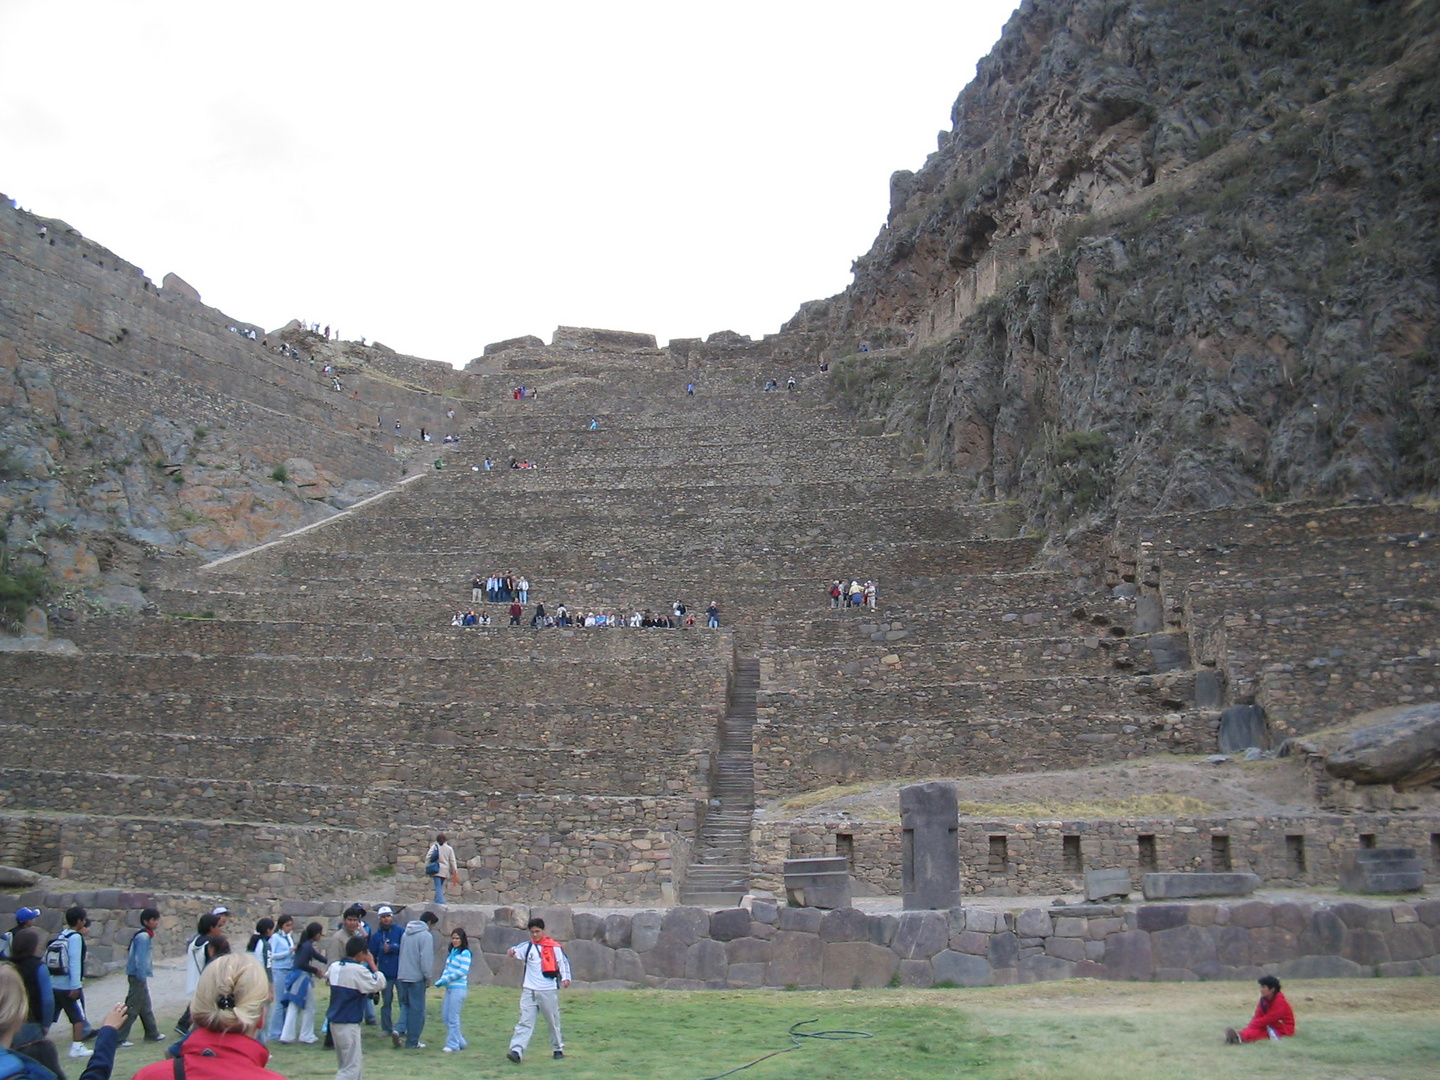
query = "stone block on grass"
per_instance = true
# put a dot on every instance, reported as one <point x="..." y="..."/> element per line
<point x="706" y="961"/>
<point x="687" y="924"/>
<point x="845" y="924"/>
<point x="645" y="930"/>
<point x="729" y="924"/>
<point x="795" y="961"/>
<point x="617" y="931"/>
<point x="919" y="935"/>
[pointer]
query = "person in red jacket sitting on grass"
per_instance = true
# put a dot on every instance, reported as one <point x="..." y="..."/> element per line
<point x="1273" y="1016"/>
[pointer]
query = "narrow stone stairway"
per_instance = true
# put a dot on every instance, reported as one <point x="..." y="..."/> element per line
<point x="719" y="873"/>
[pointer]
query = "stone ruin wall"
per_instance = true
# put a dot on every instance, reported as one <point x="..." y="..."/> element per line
<point x="1010" y="858"/>
<point x="689" y="948"/>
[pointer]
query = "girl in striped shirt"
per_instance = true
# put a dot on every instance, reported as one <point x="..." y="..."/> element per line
<point x="456" y="981"/>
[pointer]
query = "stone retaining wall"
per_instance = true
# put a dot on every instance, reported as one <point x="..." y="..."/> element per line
<point x="1009" y="858"/>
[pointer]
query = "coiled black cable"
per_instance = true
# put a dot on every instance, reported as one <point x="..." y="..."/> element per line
<point x="836" y="1035"/>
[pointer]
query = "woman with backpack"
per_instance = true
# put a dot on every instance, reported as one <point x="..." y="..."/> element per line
<point x="31" y="1040"/>
<point x="440" y="864"/>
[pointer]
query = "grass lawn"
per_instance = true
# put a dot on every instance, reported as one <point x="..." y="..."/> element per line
<point x="1349" y="1029"/>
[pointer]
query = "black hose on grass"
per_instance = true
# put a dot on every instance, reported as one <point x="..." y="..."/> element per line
<point x="836" y="1035"/>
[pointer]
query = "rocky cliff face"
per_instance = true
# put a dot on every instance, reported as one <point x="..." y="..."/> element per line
<point x="136" y="421"/>
<point x="1173" y="254"/>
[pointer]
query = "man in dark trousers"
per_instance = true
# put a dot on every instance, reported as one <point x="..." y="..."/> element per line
<point x="385" y="948"/>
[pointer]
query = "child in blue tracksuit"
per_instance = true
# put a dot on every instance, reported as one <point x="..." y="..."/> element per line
<point x="352" y="981"/>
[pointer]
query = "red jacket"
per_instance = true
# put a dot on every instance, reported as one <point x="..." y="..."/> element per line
<point x="213" y="1055"/>
<point x="1276" y="1013"/>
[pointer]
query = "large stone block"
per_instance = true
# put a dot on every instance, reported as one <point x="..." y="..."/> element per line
<point x="1252" y="914"/>
<point x="1103" y="884"/>
<point x="1411" y="941"/>
<point x="818" y="883"/>
<point x="559" y="921"/>
<point x="984" y="921"/>
<point x="1320" y="967"/>
<point x="917" y="973"/>
<point x="666" y="958"/>
<point x="1398" y="745"/>
<point x="1181" y="886"/>
<point x="687" y="924"/>
<point x="1232" y="946"/>
<point x="1378" y="871"/>
<point x="729" y="924"/>
<point x="645" y="930"/>
<point x="1324" y="934"/>
<point x="857" y="965"/>
<point x="801" y="920"/>
<point x="796" y="960"/>
<point x="930" y="850"/>
<point x="746" y="976"/>
<point x="589" y="960"/>
<point x="749" y="950"/>
<point x="706" y="960"/>
<point x="1161" y="916"/>
<point x="1044" y="968"/>
<point x="766" y="912"/>
<point x="1272" y="945"/>
<point x="1004" y="950"/>
<point x="628" y="966"/>
<point x="846" y="924"/>
<point x="498" y="939"/>
<point x="617" y="931"/>
<point x="961" y="969"/>
<point x="1183" y="946"/>
<point x="1241" y="727"/>
<point x="972" y="942"/>
<point x="1066" y="948"/>
<point x="882" y="929"/>
<point x="1366" y="947"/>
<point x="919" y="935"/>
<point x="1034" y="922"/>
<point x="589" y="926"/>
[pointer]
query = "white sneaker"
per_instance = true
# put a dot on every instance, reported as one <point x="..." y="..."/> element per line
<point x="80" y="1050"/>
<point x="126" y="1043"/>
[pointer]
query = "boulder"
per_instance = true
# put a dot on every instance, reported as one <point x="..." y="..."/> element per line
<point x="1241" y="727"/>
<point x="961" y="969"/>
<point x="1399" y="746"/>
<point x="857" y="965"/>
<point x="18" y="877"/>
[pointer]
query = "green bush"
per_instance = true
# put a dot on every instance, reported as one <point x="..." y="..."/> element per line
<point x="20" y="589"/>
<point x="280" y="475"/>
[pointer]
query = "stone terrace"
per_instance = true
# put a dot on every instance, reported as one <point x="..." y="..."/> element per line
<point x="586" y="765"/>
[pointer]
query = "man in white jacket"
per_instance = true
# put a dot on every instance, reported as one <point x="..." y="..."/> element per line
<point x="547" y="968"/>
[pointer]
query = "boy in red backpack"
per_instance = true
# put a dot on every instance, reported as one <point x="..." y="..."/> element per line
<point x="547" y="968"/>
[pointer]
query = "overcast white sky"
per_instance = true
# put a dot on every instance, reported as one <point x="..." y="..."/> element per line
<point x="442" y="175"/>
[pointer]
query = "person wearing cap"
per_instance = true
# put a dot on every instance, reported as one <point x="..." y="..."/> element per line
<point x="385" y="948"/>
<point x="23" y="918"/>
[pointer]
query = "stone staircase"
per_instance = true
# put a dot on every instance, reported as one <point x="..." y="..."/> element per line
<point x="719" y="871"/>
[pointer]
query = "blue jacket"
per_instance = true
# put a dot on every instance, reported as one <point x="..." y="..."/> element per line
<point x="387" y="960"/>
<point x="138" y="963"/>
<point x="350" y="984"/>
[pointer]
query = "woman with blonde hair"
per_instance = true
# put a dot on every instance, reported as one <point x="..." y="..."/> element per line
<point x="15" y="1007"/>
<point x="228" y="1009"/>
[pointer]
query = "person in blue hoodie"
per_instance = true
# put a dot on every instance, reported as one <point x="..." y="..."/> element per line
<point x="385" y="948"/>
<point x="353" y="979"/>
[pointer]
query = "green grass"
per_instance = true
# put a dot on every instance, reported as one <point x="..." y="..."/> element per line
<point x="1073" y="1030"/>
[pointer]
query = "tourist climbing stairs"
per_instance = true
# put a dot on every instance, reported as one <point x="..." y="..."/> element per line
<point x="719" y="873"/>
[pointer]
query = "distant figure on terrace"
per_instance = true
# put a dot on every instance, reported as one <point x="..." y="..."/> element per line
<point x="712" y="615"/>
<point x="1273" y="1017"/>
<point x="440" y="864"/>
<point x="690" y="389"/>
<point x="477" y="590"/>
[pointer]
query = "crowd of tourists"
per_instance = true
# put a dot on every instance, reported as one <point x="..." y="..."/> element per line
<point x="512" y="593"/>
<point x="852" y="595"/>
<point x="240" y="1000"/>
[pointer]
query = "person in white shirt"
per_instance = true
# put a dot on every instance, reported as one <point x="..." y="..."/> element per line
<point x="547" y="969"/>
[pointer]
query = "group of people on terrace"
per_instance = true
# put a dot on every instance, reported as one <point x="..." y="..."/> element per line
<point x="852" y="595"/>
<point x="513" y="593"/>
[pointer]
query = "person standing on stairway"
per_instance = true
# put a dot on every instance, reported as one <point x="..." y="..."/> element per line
<point x="712" y="615"/>
<point x="440" y="864"/>
<point x="515" y="612"/>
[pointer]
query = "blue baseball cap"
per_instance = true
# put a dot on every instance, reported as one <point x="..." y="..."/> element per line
<point x="27" y="914"/>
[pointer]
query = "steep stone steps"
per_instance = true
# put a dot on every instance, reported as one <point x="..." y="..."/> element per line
<point x="719" y="870"/>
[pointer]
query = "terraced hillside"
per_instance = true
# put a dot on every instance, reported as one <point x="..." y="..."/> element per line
<point x="305" y="714"/>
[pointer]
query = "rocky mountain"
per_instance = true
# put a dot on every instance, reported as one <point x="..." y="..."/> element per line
<point x="140" y="424"/>
<point x="1173" y="254"/>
